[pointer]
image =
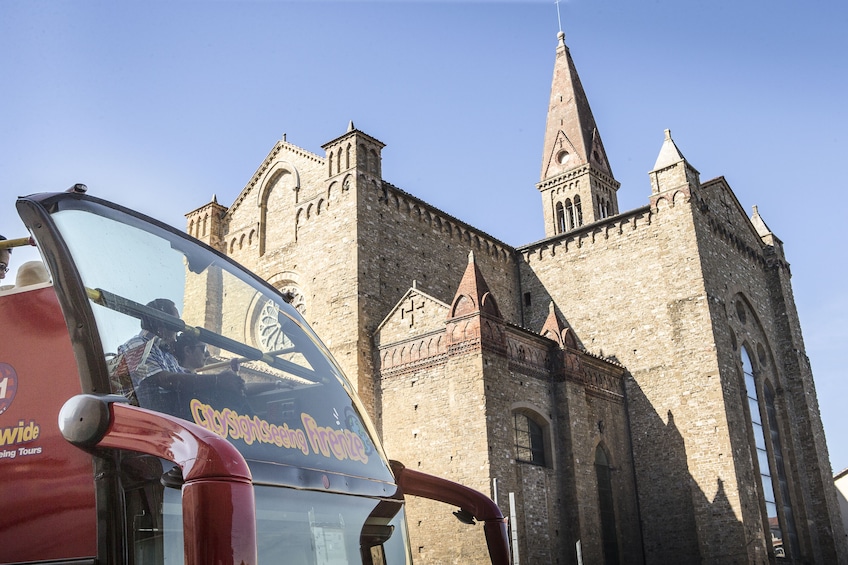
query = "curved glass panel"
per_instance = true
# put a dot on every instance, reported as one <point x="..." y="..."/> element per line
<point x="292" y="525"/>
<point x="189" y="333"/>
<point x="325" y="530"/>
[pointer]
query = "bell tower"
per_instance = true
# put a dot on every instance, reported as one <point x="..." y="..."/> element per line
<point x="577" y="184"/>
<point x="352" y="155"/>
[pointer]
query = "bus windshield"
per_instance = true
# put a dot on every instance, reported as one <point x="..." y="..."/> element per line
<point x="187" y="332"/>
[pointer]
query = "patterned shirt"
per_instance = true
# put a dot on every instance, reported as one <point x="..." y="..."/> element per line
<point x="137" y="359"/>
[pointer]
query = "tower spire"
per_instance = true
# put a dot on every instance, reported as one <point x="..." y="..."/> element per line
<point x="571" y="135"/>
<point x="577" y="185"/>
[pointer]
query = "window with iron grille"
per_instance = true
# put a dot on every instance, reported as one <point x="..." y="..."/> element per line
<point x="529" y="440"/>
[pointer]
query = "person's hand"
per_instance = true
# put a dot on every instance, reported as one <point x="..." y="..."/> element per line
<point x="230" y="382"/>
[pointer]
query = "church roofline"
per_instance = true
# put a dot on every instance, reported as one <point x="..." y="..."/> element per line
<point x="210" y="203"/>
<point x="721" y="182"/>
<point x="585" y="228"/>
<point x="413" y="289"/>
<point x="537" y="336"/>
<point x="445" y="215"/>
<point x="350" y="132"/>
<point x="266" y="163"/>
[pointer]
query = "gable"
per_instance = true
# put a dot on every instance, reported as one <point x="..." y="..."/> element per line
<point x="563" y="156"/>
<point x="726" y="209"/>
<point x="299" y="163"/>
<point x="414" y="315"/>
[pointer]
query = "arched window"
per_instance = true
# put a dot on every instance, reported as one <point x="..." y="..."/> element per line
<point x="604" y="208"/>
<point x="272" y="233"/>
<point x="578" y="210"/>
<point x="569" y="213"/>
<point x="783" y="485"/>
<point x="606" y="507"/>
<point x="767" y="451"/>
<point x="560" y="218"/>
<point x="372" y="162"/>
<point x="529" y="440"/>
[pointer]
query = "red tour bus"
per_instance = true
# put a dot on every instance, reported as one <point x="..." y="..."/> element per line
<point x="112" y="453"/>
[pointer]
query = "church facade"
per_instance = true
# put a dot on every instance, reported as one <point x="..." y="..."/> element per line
<point x="633" y="388"/>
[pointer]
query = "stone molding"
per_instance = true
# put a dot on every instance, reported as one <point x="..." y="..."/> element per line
<point x="575" y="173"/>
<point x="267" y="163"/>
<point x="397" y="199"/>
<point x="588" y="234"/>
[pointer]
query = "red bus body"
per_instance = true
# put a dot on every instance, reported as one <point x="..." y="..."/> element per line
<point x="37" y="357"/>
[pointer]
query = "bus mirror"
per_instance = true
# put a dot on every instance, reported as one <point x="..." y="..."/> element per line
<point x="85" y="418"/>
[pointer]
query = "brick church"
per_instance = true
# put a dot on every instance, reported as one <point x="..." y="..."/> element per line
<point x="633" y="388"/>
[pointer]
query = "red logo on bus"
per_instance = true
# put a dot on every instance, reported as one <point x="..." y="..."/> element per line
<point x="8" y="386"/>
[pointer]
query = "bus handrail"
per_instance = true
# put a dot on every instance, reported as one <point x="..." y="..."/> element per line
<point x="215" y="474"/>
<point x="483" y="508"/>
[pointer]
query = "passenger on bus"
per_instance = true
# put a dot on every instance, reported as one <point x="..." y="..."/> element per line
<point x="190" y="352"/>
<point x="146" y="354"/>
<point x="31" y="273"/>
<point x="148" y="373"/>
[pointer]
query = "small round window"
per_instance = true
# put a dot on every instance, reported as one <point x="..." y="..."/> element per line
<point x="563" y="157"/>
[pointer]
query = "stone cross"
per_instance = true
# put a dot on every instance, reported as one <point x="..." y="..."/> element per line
<point x="409" y="313"/>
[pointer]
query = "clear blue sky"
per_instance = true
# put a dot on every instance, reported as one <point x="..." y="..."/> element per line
<point x="158" y="105"/>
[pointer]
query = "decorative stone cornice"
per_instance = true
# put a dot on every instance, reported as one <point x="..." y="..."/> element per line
<point x="588" y="233"/>
<point x="456" y="226"/>
<point x="577" y="172"/>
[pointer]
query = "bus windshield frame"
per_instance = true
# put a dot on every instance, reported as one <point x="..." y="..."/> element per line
<point x="129" y="286"/>
<point x="295" y="408"/>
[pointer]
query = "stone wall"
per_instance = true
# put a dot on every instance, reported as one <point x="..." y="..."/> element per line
<point x="432" y="415"/>
<point x="752" y="304"/>
<point x="437" y="422"/>
<point x="404" y="239"/>
<point x="631" y="288"/>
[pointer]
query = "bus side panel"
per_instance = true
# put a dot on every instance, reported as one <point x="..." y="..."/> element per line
<point x="47" y="505"/>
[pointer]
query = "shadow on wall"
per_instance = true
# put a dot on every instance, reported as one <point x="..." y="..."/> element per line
<point x="670" y="498"/>
<point x="681" y="524"/>
<point x="841" y="481"/>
